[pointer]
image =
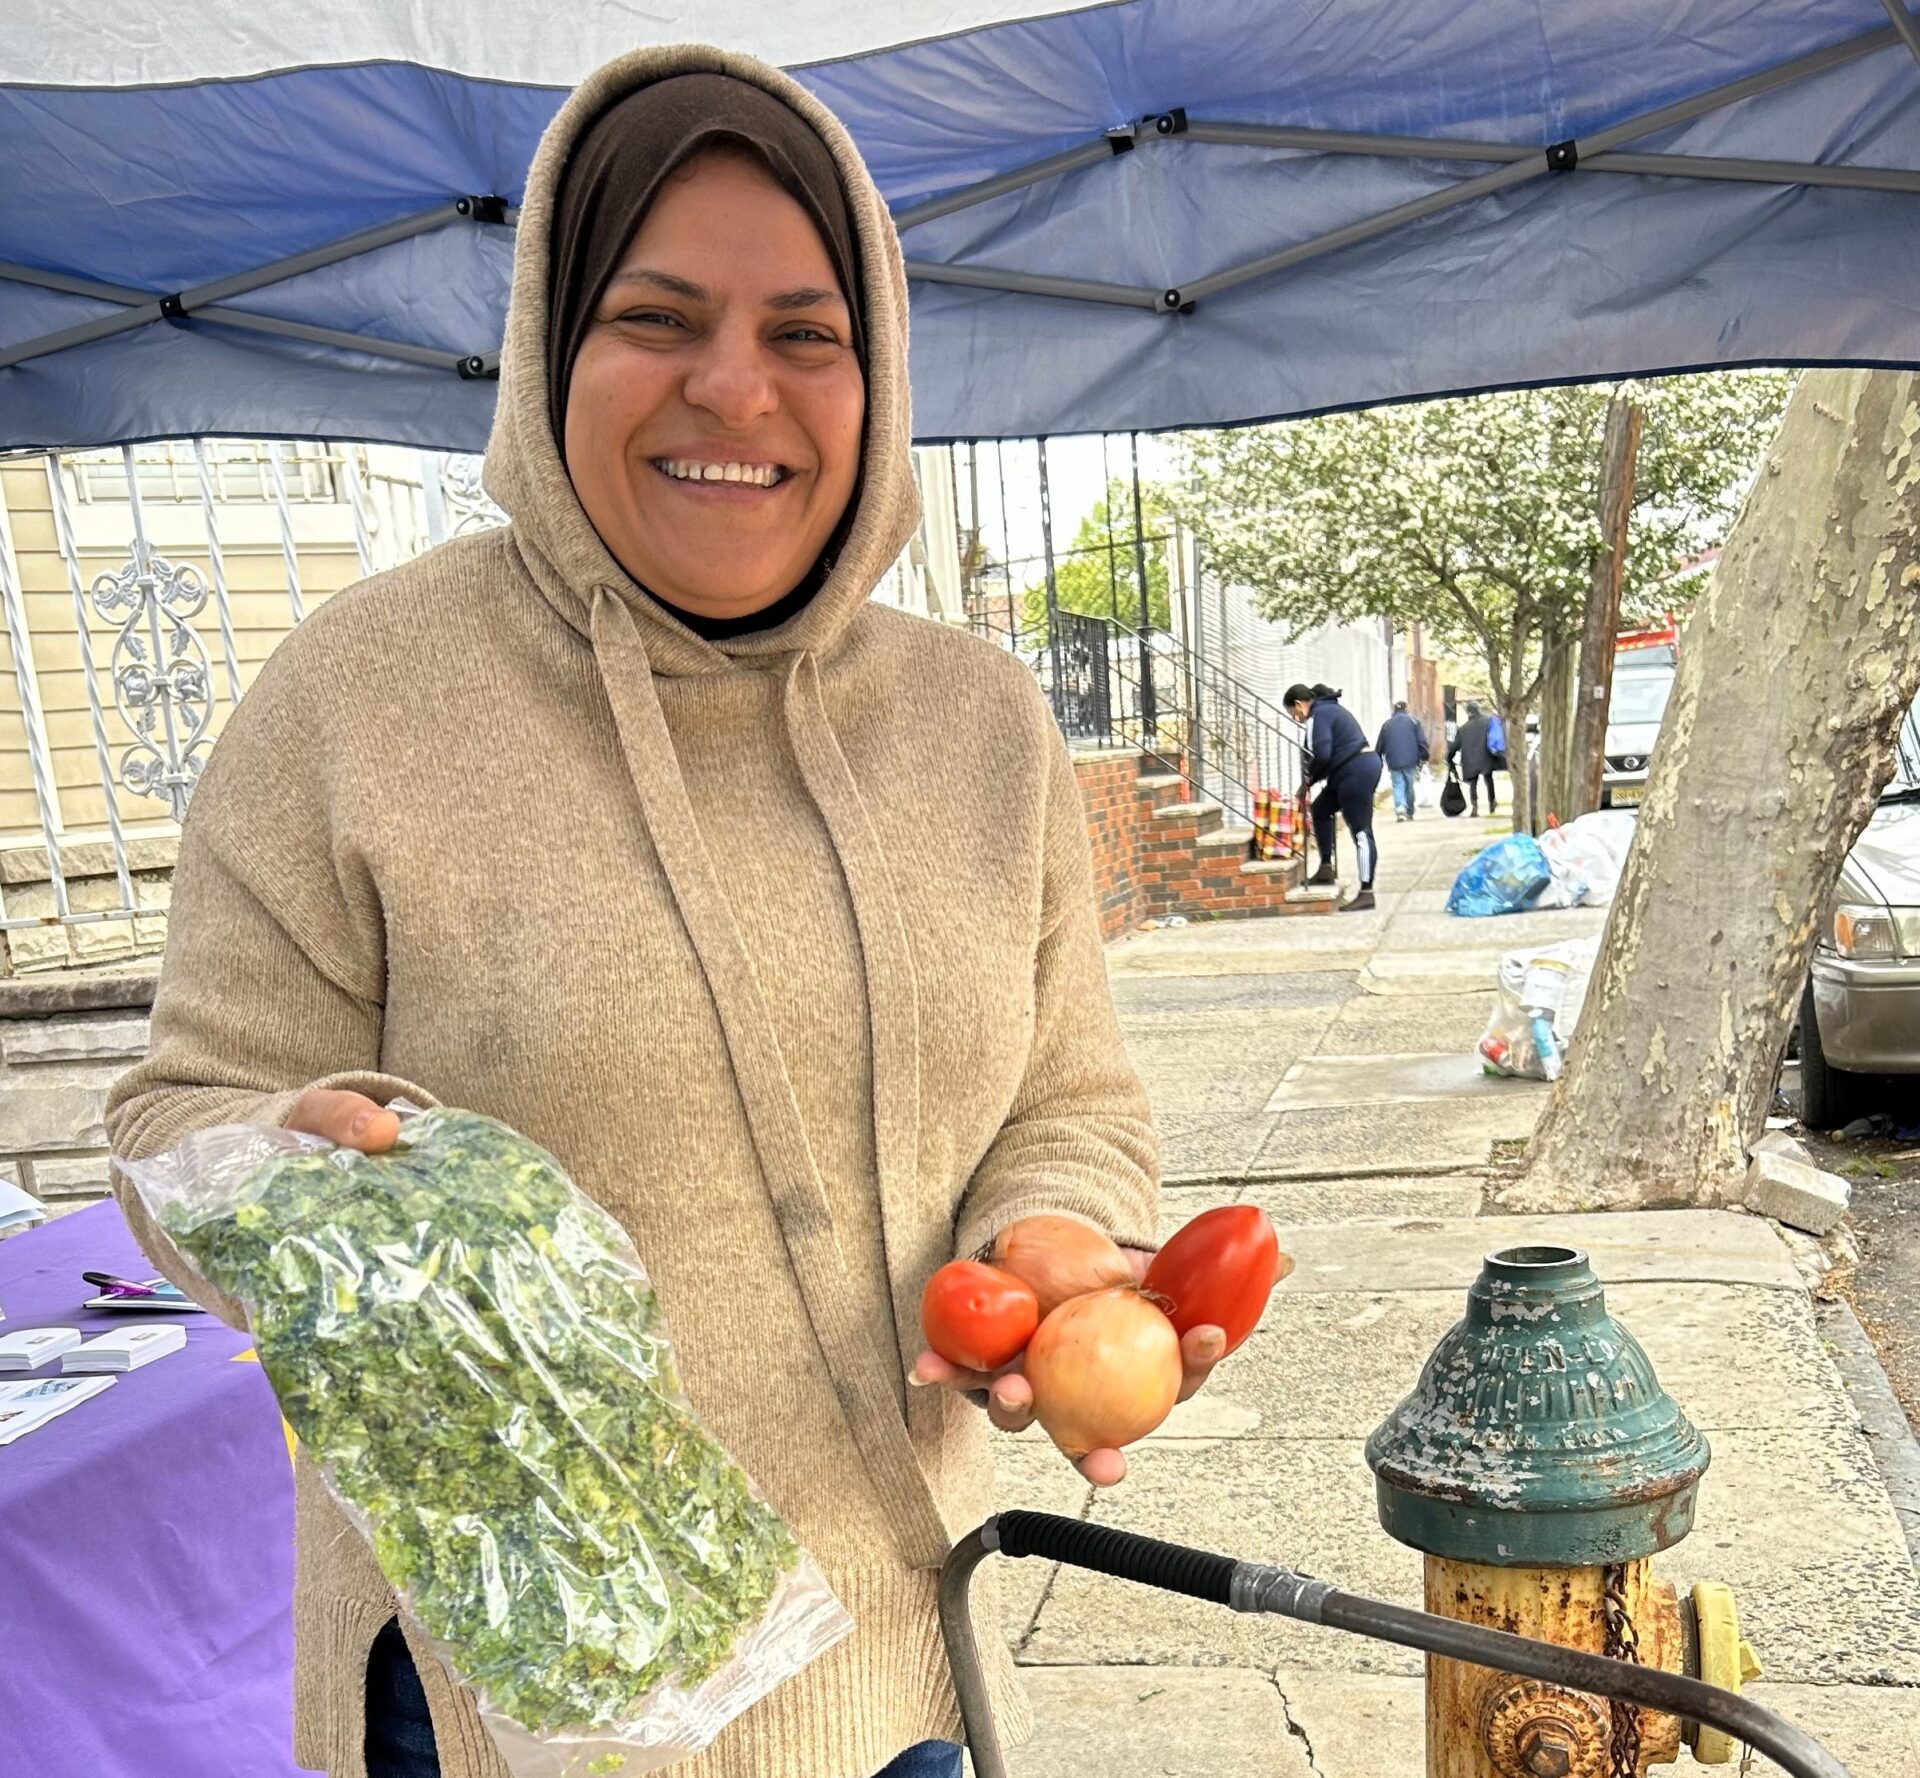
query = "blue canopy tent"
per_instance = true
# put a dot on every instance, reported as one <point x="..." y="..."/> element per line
<point x="1144" y="215"/>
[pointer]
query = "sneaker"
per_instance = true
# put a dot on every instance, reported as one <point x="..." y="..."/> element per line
<point x="1358" y="902"/>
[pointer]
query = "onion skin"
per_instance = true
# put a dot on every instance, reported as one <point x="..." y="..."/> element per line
<point x="1059" y="1258"/>
<point x="1105" y="1370"/>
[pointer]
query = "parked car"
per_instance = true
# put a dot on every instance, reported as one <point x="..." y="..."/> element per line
<point x="1642" y="682"/>
<point x="1860" y="1013"/>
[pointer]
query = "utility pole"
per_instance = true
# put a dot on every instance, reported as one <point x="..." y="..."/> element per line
<point x="1618" y="454"/>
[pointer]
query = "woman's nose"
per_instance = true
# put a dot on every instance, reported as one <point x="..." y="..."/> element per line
<point x="732" y="380"/>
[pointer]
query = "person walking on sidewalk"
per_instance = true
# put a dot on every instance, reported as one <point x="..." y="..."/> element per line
<point x="1338" y="756"/>
<point x="1403" y="748"/>
<point x="1472" y="748"/>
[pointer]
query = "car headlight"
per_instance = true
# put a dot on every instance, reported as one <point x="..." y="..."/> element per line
<point x="1866" y="932"/>
<point x="1906" y="926"/>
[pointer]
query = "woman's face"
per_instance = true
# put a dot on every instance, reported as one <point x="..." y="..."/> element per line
<point x="714" y="418"/>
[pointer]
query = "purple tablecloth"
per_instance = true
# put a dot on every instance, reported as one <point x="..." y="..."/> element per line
<point x="146" y="1547"/>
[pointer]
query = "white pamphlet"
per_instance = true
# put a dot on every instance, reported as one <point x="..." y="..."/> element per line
<point x="27" y="1406"/>
<point x="126" y="1348"/>
<point x="30" y="1347"/>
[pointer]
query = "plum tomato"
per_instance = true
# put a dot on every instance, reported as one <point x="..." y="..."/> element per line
<point x="976" y="1316"/>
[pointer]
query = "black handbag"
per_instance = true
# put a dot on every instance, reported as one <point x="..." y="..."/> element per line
<point x="1453" y="800"/>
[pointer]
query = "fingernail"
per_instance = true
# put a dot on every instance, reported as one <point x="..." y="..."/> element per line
<point x="1214" y="1344"/>
<point x="917" y="1381"/>
<point x="359" y="1124"/>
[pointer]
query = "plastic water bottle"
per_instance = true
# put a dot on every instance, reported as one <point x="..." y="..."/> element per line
<point x="1545" y="1043"/>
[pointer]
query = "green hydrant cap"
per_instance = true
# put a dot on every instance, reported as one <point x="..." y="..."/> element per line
<point x="1538" y="1435"/>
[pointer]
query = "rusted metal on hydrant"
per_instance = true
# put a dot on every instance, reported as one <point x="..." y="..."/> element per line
<point x="1538" y="1465"/>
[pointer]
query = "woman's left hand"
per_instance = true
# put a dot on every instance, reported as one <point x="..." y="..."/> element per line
<point x="1010" y="1395"/>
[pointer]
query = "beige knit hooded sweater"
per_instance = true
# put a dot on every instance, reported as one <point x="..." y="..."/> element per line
<point x="784" y="945"/>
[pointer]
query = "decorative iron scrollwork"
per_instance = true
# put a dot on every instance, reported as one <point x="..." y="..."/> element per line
<point x="162" y="685"/>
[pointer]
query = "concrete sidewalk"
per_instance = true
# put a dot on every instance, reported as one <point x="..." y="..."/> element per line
<point x="1323" y="1068"/>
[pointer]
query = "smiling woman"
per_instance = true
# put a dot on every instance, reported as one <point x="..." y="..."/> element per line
<point x="713" y="413"/>
<point x="636" y="858"/>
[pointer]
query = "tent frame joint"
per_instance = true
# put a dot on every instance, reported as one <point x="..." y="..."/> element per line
<point x="1170" y="123"/>
<point x="485" y="207"/>
<point x="1563" y="157"/>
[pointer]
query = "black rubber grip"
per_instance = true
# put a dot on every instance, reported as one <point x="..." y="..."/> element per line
<point x="1171" y="1567"/>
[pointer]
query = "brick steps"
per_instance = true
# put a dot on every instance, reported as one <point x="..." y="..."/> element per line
<point x="1157" y="853"/>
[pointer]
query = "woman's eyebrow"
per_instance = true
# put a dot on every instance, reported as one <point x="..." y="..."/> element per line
<point x="660" y="281"/>
<point x="808" y="297"/>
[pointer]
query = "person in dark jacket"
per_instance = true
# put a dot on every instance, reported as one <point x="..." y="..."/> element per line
<point x="1473" y="749"/>
<point x="1403" y="748"/>
<point x="1338" y="758"/>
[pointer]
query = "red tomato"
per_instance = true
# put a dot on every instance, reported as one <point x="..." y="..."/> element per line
<point x="976" y="1316"/>
<point x="1218" y="1271"/>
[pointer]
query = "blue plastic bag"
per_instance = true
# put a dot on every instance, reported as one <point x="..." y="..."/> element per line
<point x="1500" y="879"/>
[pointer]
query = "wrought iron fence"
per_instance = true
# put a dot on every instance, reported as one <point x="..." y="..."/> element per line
<point x="141" y="588"/>
<point x="1111" y="685"/>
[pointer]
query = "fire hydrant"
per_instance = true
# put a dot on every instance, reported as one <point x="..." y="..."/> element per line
<point x="1538" y="1464"/>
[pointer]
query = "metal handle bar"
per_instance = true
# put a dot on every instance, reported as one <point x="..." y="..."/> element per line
<point x="1258" y="1586"/>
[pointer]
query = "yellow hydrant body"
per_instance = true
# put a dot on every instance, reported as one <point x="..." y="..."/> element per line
<point x="1482" y="1724"/>
<point x="1539" y="1465"/>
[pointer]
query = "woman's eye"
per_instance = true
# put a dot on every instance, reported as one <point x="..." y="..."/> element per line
<point x="809" y="336"/>
<point x="650" y="318"/>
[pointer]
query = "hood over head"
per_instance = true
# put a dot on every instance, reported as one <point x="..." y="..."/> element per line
<point x="627" y="137"/>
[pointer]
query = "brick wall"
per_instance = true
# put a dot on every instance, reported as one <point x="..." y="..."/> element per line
<point x="1119" y="818"/>
<point x="1156" y="854"/>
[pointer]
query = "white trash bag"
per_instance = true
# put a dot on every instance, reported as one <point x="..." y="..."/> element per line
<point x="1537" y="1004"/>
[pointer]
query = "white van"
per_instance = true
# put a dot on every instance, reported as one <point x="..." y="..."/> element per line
<point x="1642" y="683"/>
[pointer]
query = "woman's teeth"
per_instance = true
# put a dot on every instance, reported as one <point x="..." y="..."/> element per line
<point x="758" y="475"/>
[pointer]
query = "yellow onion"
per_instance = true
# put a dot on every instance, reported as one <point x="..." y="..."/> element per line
<point x="1105" y="1370"/>
<point x="1059" y="1258"/>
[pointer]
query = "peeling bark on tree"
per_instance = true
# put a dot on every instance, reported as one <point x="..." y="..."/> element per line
<point x="1795" y="669"/>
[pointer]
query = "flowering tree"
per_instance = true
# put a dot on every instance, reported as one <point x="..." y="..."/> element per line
<point x="1476" y="517"/>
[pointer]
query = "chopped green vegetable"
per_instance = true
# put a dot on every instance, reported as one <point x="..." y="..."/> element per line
<point x="467" y="1346"/>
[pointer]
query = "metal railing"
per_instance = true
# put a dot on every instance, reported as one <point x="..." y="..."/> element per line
<point x="140" y="589"/>
<point x="1111" y="685"/>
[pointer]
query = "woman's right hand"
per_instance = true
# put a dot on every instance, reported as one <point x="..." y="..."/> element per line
<point x="348" y="1120"/>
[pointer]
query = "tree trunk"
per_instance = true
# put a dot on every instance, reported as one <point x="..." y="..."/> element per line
<point x="1795" y="669"/>
<point x="1588" y="750"/>
<point x="1556" y="722"/>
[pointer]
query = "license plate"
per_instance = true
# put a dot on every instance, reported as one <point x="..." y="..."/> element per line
<point x="1623" y="794"/>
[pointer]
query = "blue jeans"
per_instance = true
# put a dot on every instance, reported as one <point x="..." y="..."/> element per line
<point x="1403" y="777"/>
<point x="400" y="1733"/>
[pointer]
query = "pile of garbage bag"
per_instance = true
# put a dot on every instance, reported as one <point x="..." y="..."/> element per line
<point x="1536" y="1006"/>
<point x="1578" y="865"/>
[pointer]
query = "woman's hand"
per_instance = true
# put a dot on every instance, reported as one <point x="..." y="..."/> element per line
<point x="348" y="1120"/>
<point x="1010" y="1395"/>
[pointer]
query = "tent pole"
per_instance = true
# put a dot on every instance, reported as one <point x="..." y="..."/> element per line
<point x="1519" y="172"/>
<point x="1149" y="712"/>
<point x="146" y="307"/>
<point x="227" y="317"/>
<point x="1675" y="166"/>
<point x="1127" y="296"/>
<point x="1905" y="23"/>
<point x="1053" y="590"/>
<point x="1052" y="167"/>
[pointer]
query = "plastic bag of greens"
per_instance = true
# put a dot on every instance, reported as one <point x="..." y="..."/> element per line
<point x="473" y="1356"/>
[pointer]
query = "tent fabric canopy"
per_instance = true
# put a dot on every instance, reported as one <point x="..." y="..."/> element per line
<point x="1150" y="214"/>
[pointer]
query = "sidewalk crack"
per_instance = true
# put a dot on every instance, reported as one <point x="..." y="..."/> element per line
<point x="1295" y="1728"/>
<point x="1046" y="1591"/>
